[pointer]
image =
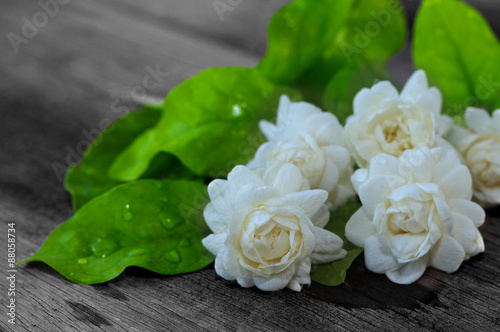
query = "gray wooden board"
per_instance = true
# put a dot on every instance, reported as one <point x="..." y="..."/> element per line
<point x="66" y="79"/>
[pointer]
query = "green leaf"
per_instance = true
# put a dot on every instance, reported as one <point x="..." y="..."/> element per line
<point x="210" y="122"/>
<point x="343" y="87"/>
<point x="90" y="178"/>
<point x="361" y="31"/>
<point x="455" y="46"/>
<point x="298" y="34"/>
<point x="154" y="224"/>
<point x="334" y="274"/>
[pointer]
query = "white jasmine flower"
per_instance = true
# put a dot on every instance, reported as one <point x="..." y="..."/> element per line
<point x="266" y="233"/>
<point x="480" y="148"/>
<point x="387" y="122"/>
<point x="416" y="213"/>
<point x="313" y="141"/>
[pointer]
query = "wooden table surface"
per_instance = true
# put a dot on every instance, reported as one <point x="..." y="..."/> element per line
<point x="66" y="77"/>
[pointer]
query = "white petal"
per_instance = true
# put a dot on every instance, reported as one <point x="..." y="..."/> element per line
<point x="378" y="256"/>
<point x="385" y="164"/>
<point x="330" y="132"/>
<point x="263" y="156"/>
<point x="445" y="124"/>
<point x="214" y="243"/>
<point x="471" y="210"/>
<point x="261" y="195"/>
<point x="447" y="254"/>
<point x="416" y="84"/>
<point x="409" y="272"/>
<point x="330" y="176"/>
<point x="386" y="89"/>
<point x="220" y="269"/>
<point x="477" y="118"/>
<point x="274" y="282"/>
<point x="288" y="180"/>
<point x="444" y="161"/>
<point x="294" y="285"/>
<point x="308" y="238"/>
<point x="303" y="271"/>
<point x="245" y="281"/>
<point x="496" y="118"/>
<point x="240" y="176"/>
<point x="358" y="178"/>
<point x="268" y="129"/>
<point x="457" y="183"/>
<point x="339" y="155"/>
<point x="328" y="247"/>
<point x="218" y="222"/>
<point x="359" y="228"/>
<point x="231" y="262"/>
<point x="465" y="233"/>
<point x="321" y="218"/>
<point x="310" y="201"/>
<point x="377" y="188"/>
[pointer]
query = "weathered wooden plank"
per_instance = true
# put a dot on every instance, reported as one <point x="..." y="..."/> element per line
<point x="65" y="80"/>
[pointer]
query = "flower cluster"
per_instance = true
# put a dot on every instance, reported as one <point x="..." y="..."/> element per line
<point x="416" y="194"/>
<point x="267" y="218"/>
<point x="480" y="148"/>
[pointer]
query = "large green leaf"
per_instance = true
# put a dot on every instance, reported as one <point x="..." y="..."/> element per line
<point x="154" y="224"/>
<point x="334" y="274"/>
<point x="455" y="46"/>
<point x="90" y="178"/>
<point x="355" y="31"/>
<point x="341" y="90"/>
<point x="210" y="122"/>
<point x="298" y="34"/>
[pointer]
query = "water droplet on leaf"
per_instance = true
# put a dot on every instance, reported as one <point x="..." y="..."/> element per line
<point x="236" y="111"/>
<point x="168" y="220"/>
<point x="127" y="213"/>
<point x="173" y="256"/>
<point x="103" y="247"/>
<point x="138" y="252"/>
<point x="83" y="261"/>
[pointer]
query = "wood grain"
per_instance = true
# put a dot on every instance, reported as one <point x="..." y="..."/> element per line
<point x="66" y="79"/>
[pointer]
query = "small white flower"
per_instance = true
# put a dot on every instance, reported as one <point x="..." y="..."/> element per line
<point x="387" y="122"/>
<point x="266" y="233"/>
<point x="480" y="148"/>
<point x="416" y="213"/>
<point x="313" y="141"/>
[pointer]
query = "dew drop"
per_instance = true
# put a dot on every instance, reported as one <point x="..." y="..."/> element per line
<point x="236" y="110"/>
<point x="138" y="252"/>
<point x="103" y="247"/>
<point x="168" y="220"/>
<point x="83" y="261"/>
<point x="127" y="213"/>
<point x="173" y="256"/>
